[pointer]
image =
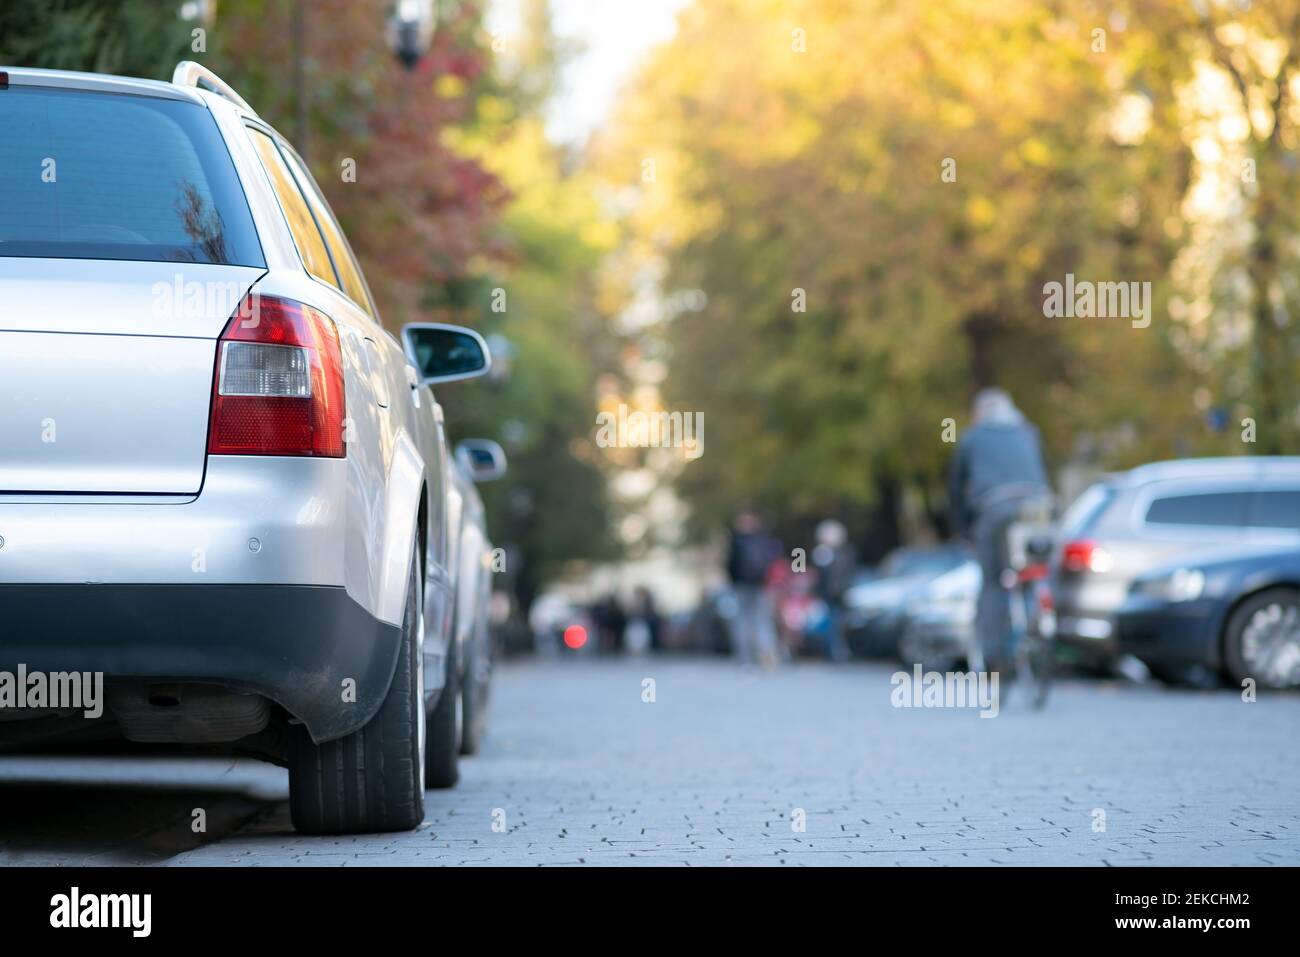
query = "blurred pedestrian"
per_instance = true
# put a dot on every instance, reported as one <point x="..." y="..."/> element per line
<point x="997" y="469"/>
<point x="645" y="610"/>
<point x="751" y="551"/>
<point x="610" y="621"/>
<point x="835" y="560"/>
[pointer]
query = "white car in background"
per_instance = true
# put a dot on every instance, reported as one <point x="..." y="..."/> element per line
<point x="939" y="622"/>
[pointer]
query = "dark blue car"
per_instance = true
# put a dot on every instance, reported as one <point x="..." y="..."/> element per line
<point x="1235" y="613"/>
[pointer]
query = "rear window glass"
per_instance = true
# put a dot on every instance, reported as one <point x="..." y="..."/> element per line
<point x="346" y="267"/>
<point x="1275" y="509"/>
<point x="1086" y="509"/>
<point x="1211" y="508"/>
<point x="88" y="175"/>
<point x="306" y="235"/>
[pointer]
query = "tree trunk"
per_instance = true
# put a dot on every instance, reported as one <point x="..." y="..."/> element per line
<point x="1270" y="346"/>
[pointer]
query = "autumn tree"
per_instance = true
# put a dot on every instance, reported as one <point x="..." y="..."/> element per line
<point x="873" y="197"/>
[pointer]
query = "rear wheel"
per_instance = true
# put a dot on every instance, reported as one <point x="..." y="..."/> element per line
<point x="441" y="754"/>
<point x="474" y="700"/>
<point x="369" y="780"/>
<point x="1039" y="668"/>
<point x="477" y="684"/>
<point x="1040" y="646"/>
<point x="1263" y="639"/>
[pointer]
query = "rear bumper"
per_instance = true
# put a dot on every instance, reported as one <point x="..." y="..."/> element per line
<point x="257" y="520"/>
<point x="1090" y="634"/>
<point x="1170" y="633"/>
<point x="1085" y="615"/>
<point x="295" y="644"/>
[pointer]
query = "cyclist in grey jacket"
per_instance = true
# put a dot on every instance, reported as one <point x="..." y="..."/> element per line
<point x="997" y="467"/>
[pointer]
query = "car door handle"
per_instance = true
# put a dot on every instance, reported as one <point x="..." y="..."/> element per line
<point x="413" y="380"/>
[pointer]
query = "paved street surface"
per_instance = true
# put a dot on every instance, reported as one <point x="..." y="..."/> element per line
<point x="722" y="768"/>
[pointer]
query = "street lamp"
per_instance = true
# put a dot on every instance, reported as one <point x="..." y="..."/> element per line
<point x="199" y="11"/>
<point x="410" y="30"/>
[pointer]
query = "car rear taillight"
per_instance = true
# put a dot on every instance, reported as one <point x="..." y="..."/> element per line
<point x="1085" y="556"/>
<point x="278" y="388"/>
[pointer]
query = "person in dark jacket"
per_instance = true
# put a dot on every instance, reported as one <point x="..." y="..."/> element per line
<point x="996" y="470"/>
<point x="752" y="551"/>
<point x="645" y="610"/>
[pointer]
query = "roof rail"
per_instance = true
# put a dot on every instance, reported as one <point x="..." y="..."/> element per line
<point x="189" y="73"/>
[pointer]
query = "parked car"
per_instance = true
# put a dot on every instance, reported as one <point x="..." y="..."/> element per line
<point x="1234" y="613"/>
<point x="1130" y="523"/>
<point x="938" y="624"/>
<point x="708" y="628"/>
<point x="223" y="485"/>
<point x="475" y="460"/>
<point x="874" y="610"/>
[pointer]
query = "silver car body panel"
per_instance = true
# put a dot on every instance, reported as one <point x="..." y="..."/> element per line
<point x="258" y="520"/>
<point x="100" y="82"/>
<point x="107" y="372"/>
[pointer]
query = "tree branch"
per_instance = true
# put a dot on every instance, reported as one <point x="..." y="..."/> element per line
<point x="1223" y="56"/>
<point x="1284" y="79"/>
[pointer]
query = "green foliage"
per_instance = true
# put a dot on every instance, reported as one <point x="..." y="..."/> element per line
<point x="541" y="297"/>
<point x="821" y="169"/>
<point x="142" y="38"/>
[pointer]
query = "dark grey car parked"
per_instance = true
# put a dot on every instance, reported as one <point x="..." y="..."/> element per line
<point x="1131" y="522"/>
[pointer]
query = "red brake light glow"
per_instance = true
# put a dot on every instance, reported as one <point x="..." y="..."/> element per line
<point x="1085" y="556"/>
<point x="278" y="387"/>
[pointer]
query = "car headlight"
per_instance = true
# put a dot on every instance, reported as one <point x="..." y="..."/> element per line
<point x="1186" y="584"/>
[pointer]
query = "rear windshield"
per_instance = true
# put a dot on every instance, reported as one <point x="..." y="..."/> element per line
<point x="113" y="176"/>
<point x="1086" y="509"/>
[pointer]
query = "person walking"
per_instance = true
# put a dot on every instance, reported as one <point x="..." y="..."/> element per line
<point x="996" y="470"/>
<point x="751" y="551"/>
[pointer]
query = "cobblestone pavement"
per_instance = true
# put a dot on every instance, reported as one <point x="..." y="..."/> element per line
<point x="725" y="765"/>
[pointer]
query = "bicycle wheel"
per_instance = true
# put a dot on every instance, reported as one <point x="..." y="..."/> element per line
<point x="1040" y="661"/>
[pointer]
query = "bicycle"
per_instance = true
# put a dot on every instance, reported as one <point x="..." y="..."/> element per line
<point x="1033" y="617"/>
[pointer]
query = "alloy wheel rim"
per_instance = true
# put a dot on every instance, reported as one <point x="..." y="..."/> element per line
<point x="1270" y="645"/>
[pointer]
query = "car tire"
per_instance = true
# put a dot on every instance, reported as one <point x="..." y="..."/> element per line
<point x="1270" y="619"/>
<point x="474" y="698"/>
<point x="369" y="781"/>
<point x="1168" y="675"/>
<point x="441" y="754"/>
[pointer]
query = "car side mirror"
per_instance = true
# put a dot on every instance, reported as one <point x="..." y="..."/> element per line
<point x="483" y="459"/>
<point x="445" y="353"/>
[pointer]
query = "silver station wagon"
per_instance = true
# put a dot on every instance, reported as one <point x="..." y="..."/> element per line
<point x="223" y="485"/>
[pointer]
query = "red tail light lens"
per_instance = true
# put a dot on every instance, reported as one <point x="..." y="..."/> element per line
<point x="278" y="388"/>
<point x="1084" y="556"/>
